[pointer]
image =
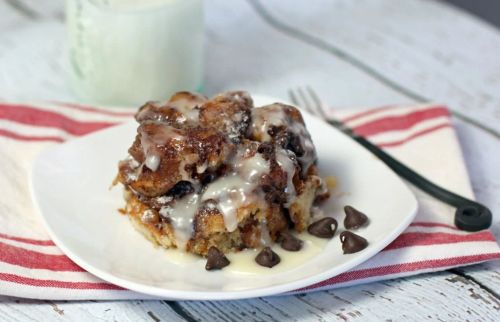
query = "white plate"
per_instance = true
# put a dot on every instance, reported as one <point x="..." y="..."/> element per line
<point x="70" y="183"/>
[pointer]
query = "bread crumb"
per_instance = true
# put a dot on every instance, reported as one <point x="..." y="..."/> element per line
<point x="331" y="182"/>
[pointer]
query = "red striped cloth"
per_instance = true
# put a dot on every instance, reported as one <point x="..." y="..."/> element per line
<point x="422" y="136"/>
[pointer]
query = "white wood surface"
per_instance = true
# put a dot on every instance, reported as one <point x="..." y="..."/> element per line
<point x="432" y="50"/>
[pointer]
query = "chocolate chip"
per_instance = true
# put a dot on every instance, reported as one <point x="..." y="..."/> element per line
<point x="267" y="258"/>
<point x="323" y="228"/>
<point x="354" y="218"/>
<point x="352" y="243"/>
<point x="216" y="259"/>
<point x="294" y="144"/>
<point x="208" y="178"/>
<point x="290" y="242"/>
<point x="181" y="189"/>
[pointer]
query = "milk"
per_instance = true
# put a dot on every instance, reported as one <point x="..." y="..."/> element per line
<point x="125" y="52"/>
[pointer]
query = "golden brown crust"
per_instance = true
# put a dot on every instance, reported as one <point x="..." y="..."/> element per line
<point x="153" y="111"/>
<point x="173" y="111"/>
<point x="228" y="113"/>
<point x="195" y="99"/>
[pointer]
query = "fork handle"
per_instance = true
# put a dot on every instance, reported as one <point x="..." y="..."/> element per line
<point x="469" y="215"/>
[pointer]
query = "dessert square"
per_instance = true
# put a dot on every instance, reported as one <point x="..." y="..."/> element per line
<point x="220" y="173"/>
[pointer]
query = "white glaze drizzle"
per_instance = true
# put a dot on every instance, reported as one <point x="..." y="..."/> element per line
<point x="286" y="164"/>
<point x="317" y="212"/>
<point x="181" y="215"/>
<point x="152" y="161"/>
<point x="265" y="117"/>
<point x="185" y="105"/>
<point x="236" y="189"/>
<point x="160" y="137"/>
<point x="202" y="167"/>
<point x="230" y="193"/>
<point x="265" y="237"/>
<point x="188" y="108"/>
<point x="182" y="171"/>
<point x="134" y="168"/>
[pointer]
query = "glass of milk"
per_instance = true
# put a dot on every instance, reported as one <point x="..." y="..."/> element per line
<point x="126" y="52"/>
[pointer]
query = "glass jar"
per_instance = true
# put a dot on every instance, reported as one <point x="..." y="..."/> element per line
<point x="126" y="52"/>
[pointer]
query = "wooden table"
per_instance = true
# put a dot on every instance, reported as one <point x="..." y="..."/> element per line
<point x="354" y="53"/>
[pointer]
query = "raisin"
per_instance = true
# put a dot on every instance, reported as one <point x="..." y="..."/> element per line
<point x="181" y="189"/>
<point x="267" y="150"/>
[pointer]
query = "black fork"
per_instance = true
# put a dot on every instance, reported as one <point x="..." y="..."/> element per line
<point x="469" y="215"/>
